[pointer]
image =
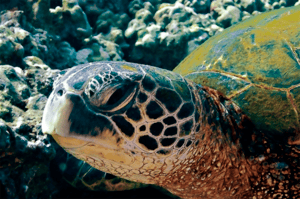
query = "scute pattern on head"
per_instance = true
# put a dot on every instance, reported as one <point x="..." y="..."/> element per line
<point x="137" y="110"/>
<point x="161" y="101"/>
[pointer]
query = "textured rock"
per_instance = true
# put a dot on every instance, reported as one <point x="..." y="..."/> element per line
<point x="16" y="42"/>
<point x="93" y="6"/>
<point x="135" y="6"/>
<point x="11" y="50"/>
<point x="167" y="31"/>
<point x="39" y="76"/>
<point x="108" y="20"/>
<point x="246" y="15"/>
<point x="102" y="50"/>
<point x="84" y="55"/>
<point x="13" y="86"/>
<point x="24" y="162"/>
<point x="51" y="49"/>
<point x="248" y="5"/>
<point x="71" y="23"/>
<point x="228" y="17"/>
<point x="199" y="6"/>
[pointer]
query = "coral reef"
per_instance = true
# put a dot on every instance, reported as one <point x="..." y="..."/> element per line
<point x="164" y="34"/>
<point x="25" y="151"/>
<point x="71" y="22"/>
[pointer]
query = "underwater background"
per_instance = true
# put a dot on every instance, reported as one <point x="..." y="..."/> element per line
<point x="39" y="38"/>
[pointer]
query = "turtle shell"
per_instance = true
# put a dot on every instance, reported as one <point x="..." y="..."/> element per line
<point x="256" y="64"/>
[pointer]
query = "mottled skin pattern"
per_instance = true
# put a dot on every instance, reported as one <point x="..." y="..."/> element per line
<point x="151" y="125"/>
<point x="81" y="175"/>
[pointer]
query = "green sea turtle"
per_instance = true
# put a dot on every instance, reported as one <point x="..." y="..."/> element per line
<point x="224" y="124"/>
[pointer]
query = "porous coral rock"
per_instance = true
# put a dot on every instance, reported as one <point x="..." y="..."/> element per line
<point x="199" y="6"/>
<point x="248" y="5"/>
<point x="142" y="18"/>
<point x="116" y="6"/>
<point x="11" y="51"/>
<point x="25" y="151"/>
<point x="108" y="20"/>
<point x="11" y="36"/>
<point x="103" y="50"/>
<point x="38" y="75"/>
<point x="84" y="55"/>
<point x="51" y="49"/>
<point x="71" y="22"/>
<point x="14" y="88"/>
<point x="135" y="6"/>
<point x="228" y="17"/>
<point x="16" y="42"/>
<point x="24" y="168"/>
<point x="167" y="31"/>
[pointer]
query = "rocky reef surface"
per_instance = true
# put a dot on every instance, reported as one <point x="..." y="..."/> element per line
<point x="39" y="38"/>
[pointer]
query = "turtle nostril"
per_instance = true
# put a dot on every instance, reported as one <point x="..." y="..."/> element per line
<point x="60" y="92"/>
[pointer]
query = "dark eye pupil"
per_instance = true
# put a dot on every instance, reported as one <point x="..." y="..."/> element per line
<point x="91" y="93"/>
<point x="116" y="96"/>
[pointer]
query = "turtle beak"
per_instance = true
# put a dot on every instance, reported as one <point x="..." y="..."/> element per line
<point x="56" y="113"/>
<point x="56" y="119"/>
<point x="66" y="117"/>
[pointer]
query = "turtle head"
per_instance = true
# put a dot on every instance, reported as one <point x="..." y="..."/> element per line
<point x="131" y="120"/>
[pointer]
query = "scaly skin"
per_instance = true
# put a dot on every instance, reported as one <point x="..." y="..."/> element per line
<point x="223" y="154"/>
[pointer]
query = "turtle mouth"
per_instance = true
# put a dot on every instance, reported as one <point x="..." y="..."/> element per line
<point x="87" y="150"/>
<point x="69" y="143"/>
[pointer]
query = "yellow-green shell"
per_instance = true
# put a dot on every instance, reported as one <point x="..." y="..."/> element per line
<point x="257" y="64"/>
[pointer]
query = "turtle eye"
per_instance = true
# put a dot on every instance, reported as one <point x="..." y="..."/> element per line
<point x="116" y="96"/>
<point x="113" y="98"/>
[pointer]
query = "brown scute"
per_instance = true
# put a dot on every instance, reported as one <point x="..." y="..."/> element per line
<point x="149" y="142"/>
<point x="186" y="128"/>
<point x="156" y="128"/>
<point x="148" y="83"/>
<point x="198" y="128"/>
<point x="180" y="143"/>
<point x="171" y="131"/>
<point x="163" y="152"/>
<point x="124" y="125"/>
<point x="169" y="98"/>
<point x="153" y="110"/>
<point x="83" y="121"/>
<point x="134" y="113"/>
<point x="189" y="142"/>
<point x="142" y="97"/>
<point x="167" y="141"/>
<point x="182" y="89"/>
<point x="186" y="110"/>
<point x="169" y="120"/>
<point x="143" y="128"/>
